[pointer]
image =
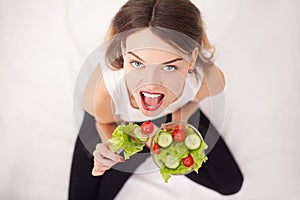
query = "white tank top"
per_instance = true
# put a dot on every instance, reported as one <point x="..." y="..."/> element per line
<point x="116" y="86"/>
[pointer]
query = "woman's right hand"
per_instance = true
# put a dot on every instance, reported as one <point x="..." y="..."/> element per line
<point x="104" y="159"/>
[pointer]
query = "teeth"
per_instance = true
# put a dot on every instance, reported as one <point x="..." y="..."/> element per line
<point x="151" y="107"/>
<point x="151" y="95"/>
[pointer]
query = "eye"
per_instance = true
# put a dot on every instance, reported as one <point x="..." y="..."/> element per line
<point x="136" y="64"/>
<point x="169" y="68"/>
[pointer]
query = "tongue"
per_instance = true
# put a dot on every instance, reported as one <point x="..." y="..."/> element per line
<point x="151" y="101"/>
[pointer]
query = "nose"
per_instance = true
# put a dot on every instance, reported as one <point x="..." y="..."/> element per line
<point x="152" y="75"/>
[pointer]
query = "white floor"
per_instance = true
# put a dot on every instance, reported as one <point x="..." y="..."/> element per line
<point x="44" y="44"/>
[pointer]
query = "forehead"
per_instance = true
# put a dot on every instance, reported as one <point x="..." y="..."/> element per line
<point x="147" y="42"/>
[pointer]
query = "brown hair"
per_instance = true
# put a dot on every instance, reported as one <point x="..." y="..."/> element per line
<point x="177" y="15"/>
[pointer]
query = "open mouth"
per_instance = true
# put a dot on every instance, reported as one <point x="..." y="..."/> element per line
<point x="151" y="101"/>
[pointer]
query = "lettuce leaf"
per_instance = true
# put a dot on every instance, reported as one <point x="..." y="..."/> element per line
<point x="121" y="140"/>
<point x="199" y="156"/>
<point x="166" y="173"/>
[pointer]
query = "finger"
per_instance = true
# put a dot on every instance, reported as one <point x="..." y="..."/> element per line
<point x="98" y="163"/>
<point x="104" y="162"/>
<point x="100" y="169"/>
<point x="97" y="154"/>
<point x="100" y="158"/>
<point x="97" y="173"/>
<point x="105" y="152"/>
<point x="109" y="154"/>
<point x="167" y="126"/>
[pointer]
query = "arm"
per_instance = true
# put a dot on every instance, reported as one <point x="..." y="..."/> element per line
<point x="213" y="83"/>
<point x="105" y="130"/>
<point x="97" y="102"/>
<point x="106" y="120"/>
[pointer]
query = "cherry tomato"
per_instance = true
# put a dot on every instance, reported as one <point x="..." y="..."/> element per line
<point x="147" y="127"/>
<point x="178" y="135"/>
<point x="188" y="161"/>
<point x="156" y="149"/>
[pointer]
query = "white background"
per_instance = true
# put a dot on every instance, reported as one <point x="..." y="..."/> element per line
<point x="44" y="43"/>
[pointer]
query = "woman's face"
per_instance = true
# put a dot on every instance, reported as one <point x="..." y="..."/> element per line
<point x="155" y="73"/>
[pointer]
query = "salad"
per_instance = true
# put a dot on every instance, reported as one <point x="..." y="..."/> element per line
<point x="131" y="138"/>
<point x="178" y="148"/>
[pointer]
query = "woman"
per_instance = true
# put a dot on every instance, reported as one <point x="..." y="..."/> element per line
<point x="158" y="67"/>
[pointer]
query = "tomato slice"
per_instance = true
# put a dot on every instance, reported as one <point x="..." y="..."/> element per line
<point x="156" y="149"/>
<point x="178" y="135"/>
<point x="147" y="127"/>
<point x="188" y="161"/>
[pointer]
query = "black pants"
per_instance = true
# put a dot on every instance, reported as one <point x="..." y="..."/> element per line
<point x="219" y="173"/>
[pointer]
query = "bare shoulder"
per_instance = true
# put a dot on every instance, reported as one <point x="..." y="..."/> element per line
<point x="212" y="84"/>
<point x="96" y="99"/>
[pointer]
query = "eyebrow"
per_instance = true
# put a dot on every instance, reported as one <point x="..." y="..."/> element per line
<point x="168" y="62"/>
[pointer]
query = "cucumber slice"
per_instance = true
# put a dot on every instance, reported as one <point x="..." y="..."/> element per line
<point x="172" y="162"/>
<point x="139" y="135"/>
<point x="164" y="139"/>
<point x="192" y="142"/>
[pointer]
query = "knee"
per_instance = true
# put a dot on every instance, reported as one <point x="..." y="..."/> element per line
<point x="232" y="187"/>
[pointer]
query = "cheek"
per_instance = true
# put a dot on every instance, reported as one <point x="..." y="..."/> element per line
<point x="133" y="79"/>
<point x="174" y="84"/>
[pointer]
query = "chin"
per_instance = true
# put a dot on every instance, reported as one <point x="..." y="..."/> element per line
<point x="155" y="112"/>
<point x="151" y="113"/>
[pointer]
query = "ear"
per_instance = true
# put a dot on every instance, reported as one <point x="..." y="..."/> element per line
<point x="194" y="58"/>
